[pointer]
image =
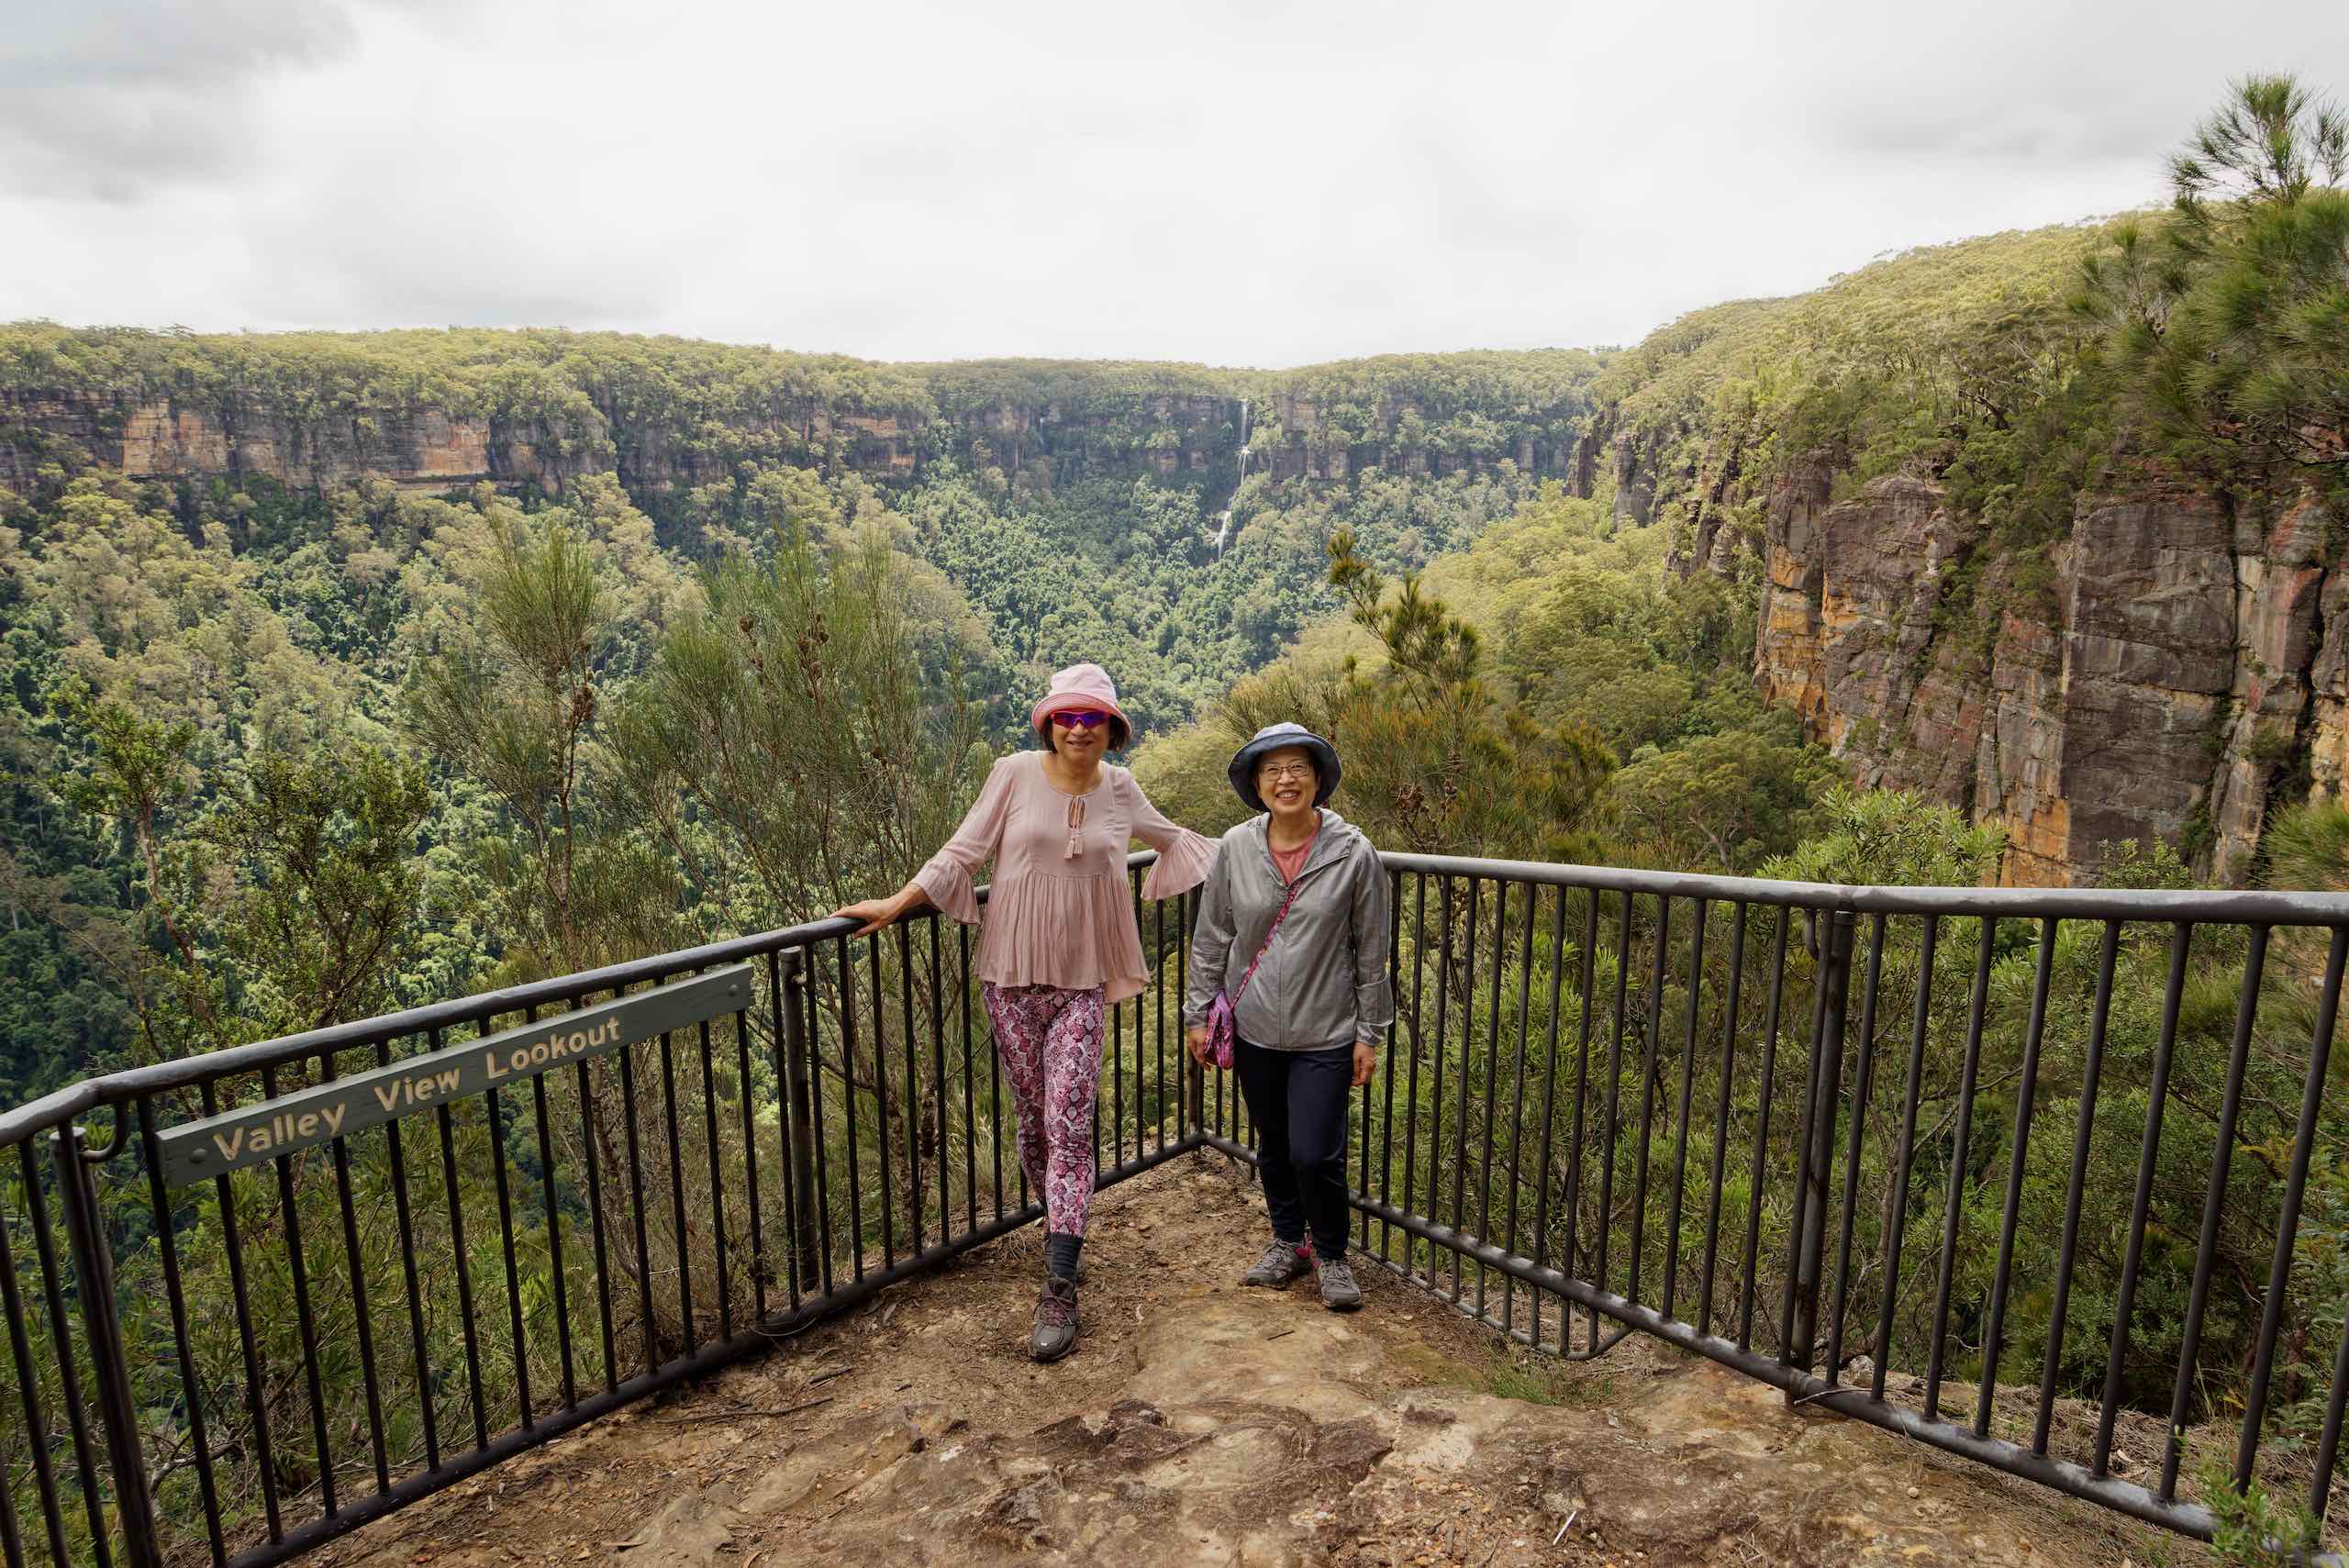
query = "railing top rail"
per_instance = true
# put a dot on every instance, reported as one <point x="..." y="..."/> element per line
<point x="2065" y="902"/>
<point x="113" y="1088"/>
<point x="2265" y="908"/>
<point x="62" y="1106"/>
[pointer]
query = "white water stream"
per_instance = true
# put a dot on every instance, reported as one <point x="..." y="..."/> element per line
<point x="1223" y="528"/>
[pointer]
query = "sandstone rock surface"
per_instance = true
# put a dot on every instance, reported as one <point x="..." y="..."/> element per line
<point x="2168" y="673"/>
<point x="1199" y="1422"/>
<point x="244" y="435"/>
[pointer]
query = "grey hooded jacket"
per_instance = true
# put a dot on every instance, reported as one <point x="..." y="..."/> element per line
<point x="1323" y="981"/>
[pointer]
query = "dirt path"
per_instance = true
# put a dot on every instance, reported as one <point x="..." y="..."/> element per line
<point x="1198" y="1422"/>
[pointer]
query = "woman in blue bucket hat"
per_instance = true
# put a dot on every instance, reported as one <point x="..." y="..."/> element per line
<point x="1288" y="956"/>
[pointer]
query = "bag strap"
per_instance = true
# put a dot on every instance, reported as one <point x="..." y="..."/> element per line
<point x="1267" y="945"/>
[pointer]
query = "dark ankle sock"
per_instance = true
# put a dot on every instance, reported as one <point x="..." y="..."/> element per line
<point x="1060" y="1254"/>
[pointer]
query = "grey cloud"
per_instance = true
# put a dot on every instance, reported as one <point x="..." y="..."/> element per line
<point x="2011" y="127"/>
<point x="400" y="241"/>
<point x="111" y="99"/>
<point x="1256" y="182"/>
<point x="109" y="44"/>
<point x="2028" y="82"/>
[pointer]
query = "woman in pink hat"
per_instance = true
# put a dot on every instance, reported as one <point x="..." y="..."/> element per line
<point x="1058" y="946"/>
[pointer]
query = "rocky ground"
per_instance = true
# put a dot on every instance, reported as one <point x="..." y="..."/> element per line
<point x="1198" y="1422"/>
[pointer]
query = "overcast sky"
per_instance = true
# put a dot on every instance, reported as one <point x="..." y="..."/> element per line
<point x="1266" y="183"/>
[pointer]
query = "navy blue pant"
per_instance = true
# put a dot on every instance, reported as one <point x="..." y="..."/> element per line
<point x="1297" y="1100"/>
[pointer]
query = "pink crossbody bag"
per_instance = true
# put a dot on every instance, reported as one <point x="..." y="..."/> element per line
<point x="1220" y="1029"/>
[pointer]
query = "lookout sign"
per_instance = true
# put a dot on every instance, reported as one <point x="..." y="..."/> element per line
<point x="251" y="1134"/>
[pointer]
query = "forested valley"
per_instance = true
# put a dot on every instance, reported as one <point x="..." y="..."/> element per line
<point x="236" y="705"/>
<point x="340" y="674"/>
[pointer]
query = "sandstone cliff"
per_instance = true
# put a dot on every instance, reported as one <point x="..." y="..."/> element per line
<point x="419" y="445"/>
<point x="1982" y="576"/>
<point x="440" y="411"/>
<point x="2182" y="667"/>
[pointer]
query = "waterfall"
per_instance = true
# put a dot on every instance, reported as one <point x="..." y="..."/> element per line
<point x="1223" y="532"/>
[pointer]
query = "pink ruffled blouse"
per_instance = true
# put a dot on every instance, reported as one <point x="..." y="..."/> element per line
<point x="1061" y="912"/>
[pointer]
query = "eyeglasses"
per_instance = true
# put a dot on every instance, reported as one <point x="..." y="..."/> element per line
<point x="1281" y="771"/>
<point x="1080" y="719"/>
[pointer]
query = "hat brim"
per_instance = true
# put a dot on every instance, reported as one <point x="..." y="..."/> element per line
<point x="1325" y="767"/>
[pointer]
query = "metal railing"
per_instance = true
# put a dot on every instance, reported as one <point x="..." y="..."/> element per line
<point x="1875" y="1147"/>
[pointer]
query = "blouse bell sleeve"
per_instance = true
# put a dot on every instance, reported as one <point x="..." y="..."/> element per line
<point x="947" y="877"/>
<point x="1184" y="857"/>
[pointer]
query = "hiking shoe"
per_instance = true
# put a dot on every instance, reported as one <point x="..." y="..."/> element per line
<point x="1338" y="1291"/>
<point x="1055" y="1333"/>
<point x="1282" y="1264"/>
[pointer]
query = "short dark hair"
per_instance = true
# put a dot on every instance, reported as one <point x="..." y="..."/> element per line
<point x="1119" y="736"/>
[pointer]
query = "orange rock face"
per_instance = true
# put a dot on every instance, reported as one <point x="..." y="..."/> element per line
<point x="2183" y="665"/>
<point x="238" y="436"/>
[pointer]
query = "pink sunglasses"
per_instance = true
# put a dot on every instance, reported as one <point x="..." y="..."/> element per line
<point x="1080" y="719"/>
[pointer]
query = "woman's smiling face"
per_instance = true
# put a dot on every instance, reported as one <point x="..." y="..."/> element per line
<point x="1080" y="743"/>
<point x="1286" y="780"/>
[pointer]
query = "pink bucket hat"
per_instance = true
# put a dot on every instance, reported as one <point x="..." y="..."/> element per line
<point x="1079" y="686"/>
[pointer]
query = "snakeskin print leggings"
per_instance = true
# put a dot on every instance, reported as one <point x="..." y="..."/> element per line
<point x="1050" y="1041"/>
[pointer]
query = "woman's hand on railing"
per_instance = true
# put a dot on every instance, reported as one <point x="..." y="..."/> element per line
<point x="1366" y="1063"/>
<point x="871" y="914"/>
<point x="1196" y="1037"/>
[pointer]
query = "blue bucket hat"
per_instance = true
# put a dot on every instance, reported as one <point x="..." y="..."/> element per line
<point x="1273" y="737"/>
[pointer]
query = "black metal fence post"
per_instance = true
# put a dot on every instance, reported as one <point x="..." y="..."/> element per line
<point x="802" y="1089"/>
<point x="1819" y="1140"/>
<point x="93" y="1277"/>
